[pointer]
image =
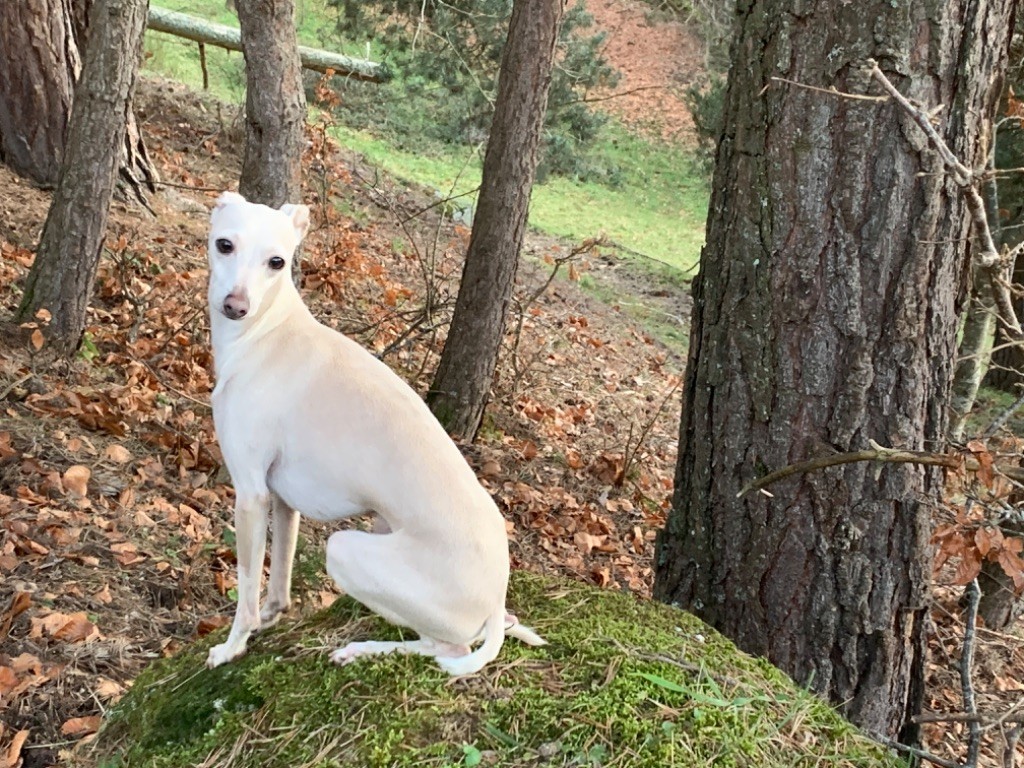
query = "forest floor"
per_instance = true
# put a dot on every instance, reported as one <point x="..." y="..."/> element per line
<point x="115" y="510"/>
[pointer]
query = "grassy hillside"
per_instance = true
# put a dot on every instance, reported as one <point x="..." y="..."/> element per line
<point x="654" y="205"/>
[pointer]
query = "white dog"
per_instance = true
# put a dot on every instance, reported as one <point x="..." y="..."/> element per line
<point x="309" y="420"/>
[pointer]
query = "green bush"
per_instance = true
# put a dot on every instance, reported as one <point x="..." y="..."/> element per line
<point x="447" y="56"/>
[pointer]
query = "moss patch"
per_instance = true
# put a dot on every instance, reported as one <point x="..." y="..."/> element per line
<point x="622" y="683"/>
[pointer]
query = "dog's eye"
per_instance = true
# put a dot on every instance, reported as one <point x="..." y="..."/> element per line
<point x="276" y="262"/>
<point x="224" y="246"/>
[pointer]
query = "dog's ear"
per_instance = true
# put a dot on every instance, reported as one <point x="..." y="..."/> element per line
<point x="226" y="198"/>
<point x="299" y="215"/>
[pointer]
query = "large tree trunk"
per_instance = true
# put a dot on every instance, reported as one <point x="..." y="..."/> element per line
<point x="275" y="103"/>
<point x="39" y="63"/>
<point x="463" y="380"/>
<point x="824" y="317"/>
<point x="61" y="279"/>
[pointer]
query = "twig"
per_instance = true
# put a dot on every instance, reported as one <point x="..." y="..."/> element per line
<point x="918" y="753"/>
<point x="1010" y="751"/>
<point x="982" y="718"/>
<point x="988" y="258"/>
<point x="630" y="456"/>
<point x="878" y="453"/>
<point x="966" y="663"/>
<point x="1000" y="421"/>
<point x="831" y="91"/>
<point x="202" y="66"/>
<point x="14" y="385"/>
<point x="441" y="201"/>
<point x="178" y="392"/>
<point x="191" y="187"/>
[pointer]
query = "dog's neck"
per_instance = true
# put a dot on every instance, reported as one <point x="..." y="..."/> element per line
<point x="231" y="338"/>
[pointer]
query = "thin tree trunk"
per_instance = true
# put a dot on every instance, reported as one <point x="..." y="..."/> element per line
<point x="462" y="384"/>
<point x="61" y="279"/>
<point x="825" y="316"/>
<point x="275" y="103"/>
<point x="973" y="357"/>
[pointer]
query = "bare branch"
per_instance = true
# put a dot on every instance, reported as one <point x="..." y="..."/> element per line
<point x="966" y="663"/>
<point x="988" y="259"/>
<point x="831" y="91"/>
<point x="878" y="453"/>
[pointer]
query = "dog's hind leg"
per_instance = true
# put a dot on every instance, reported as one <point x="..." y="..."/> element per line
<point x="284" y="534"/>
<point x="387" y="574"/>
<point x="251" y="532"/>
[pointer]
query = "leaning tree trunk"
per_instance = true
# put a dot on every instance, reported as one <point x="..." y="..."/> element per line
<point x="39" y="63"/>
<point x="825" y="317"/>
<point x="462" y="383"/>
<point x="61" y="279"/>
<point x="275" y="103"/>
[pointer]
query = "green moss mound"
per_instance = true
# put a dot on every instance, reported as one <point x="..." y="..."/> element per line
<point x="623" y="683"/>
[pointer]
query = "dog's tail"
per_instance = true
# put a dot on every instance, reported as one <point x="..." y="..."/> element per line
<point x="494" y="638"/>
<point x="521" y="632"/>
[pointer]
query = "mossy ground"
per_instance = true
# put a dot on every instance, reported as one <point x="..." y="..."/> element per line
<point x="622" y="683"/>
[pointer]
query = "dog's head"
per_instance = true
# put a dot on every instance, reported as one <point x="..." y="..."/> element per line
<point x="251" y="248"/>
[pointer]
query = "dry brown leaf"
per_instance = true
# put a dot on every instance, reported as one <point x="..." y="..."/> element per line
<point x="80" y="726"/>
<point x="107" y="689"/>
<point x="72" y="628"/>
<point x="117" y="453"/>
<point x="37" y="340"/>
<point x="20" y="602"/>
<point x="208" y="625"/>
<point x="983" y="541"/>
<point x="76" y="479"/>
<point x="13" y="757"/>
<point x="968" y="567"/>
<point x="8" y="680"/>
<point x="104" y="596"/>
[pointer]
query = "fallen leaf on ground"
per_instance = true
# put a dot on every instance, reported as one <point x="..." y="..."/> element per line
<point x="8" y="680"/>
<point x="79" y="726"/>
<point x="72" y="628"/>
<point x="76" y="479"/>
<point x="13" y="757"/>
<point x="117" y="453"/>
<point x="208" y="625"/>
<point x="19" y="603"/>
<point x="108" y="689"/>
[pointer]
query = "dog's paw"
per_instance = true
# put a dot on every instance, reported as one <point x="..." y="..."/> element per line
<point x="271" y="614"/>
<point x="222" y="654"/>
<point x="349" y="653"/>
<point x="343" y="656"/>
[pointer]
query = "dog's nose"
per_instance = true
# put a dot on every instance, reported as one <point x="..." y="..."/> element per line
<point x="236" y="307"/>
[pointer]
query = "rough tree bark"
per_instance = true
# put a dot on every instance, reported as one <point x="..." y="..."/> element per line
<point x="62" y="276"/>
<point x="825" y="316"/>
<point x="275" y="103"/>
<point x="462" y="383"/>
<point x="40" y="61"/>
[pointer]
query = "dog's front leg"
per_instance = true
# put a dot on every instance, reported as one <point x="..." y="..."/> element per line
<point x="282" y="558"/>
<point x="251" y="535"/>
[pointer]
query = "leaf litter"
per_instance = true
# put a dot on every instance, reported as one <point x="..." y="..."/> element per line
<point x="116" y="540"/>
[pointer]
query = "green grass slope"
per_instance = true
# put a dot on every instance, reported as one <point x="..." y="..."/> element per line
<point x="623" y="683"/>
